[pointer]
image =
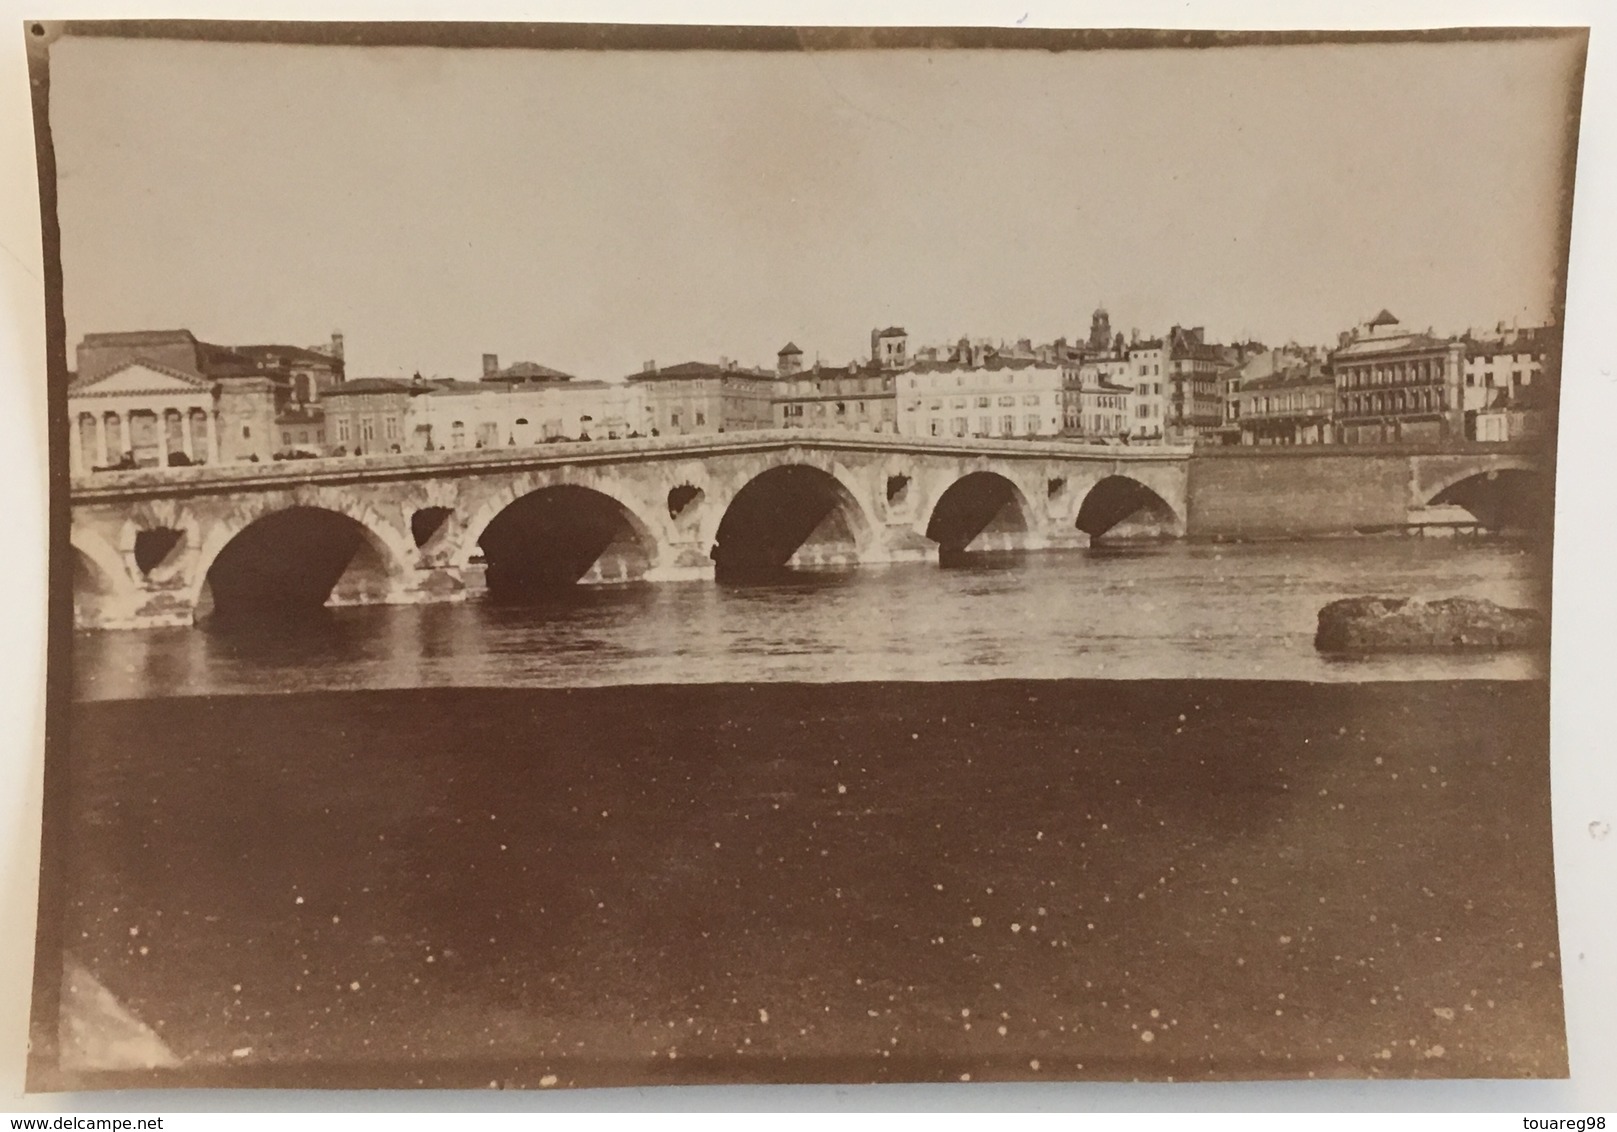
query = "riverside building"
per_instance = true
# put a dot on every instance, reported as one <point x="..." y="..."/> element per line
<point x="859" y="396"/>
<point x="158" y="398"/>
<point x="1280" y="397"/>
<point x="696" y="398"/>
<point x="977" y="391"/>
<point x="1506" y="382"/>
<point x="1396" y="386"/>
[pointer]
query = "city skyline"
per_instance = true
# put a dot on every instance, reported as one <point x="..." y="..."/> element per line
<point x="437" y="205"/>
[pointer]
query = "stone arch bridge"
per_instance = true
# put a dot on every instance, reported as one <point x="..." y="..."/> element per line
<point x="162" y="548"/>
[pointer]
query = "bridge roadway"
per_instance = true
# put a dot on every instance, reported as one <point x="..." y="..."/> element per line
<point x="155" y="547"/>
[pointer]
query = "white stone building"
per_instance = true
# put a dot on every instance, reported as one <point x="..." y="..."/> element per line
<point x="488" y="414"/>
<point x="1145" y="375"/>
<point x="1508" y="361"/>
<point x="978" y="392"/>
<point x="141" y="414"/>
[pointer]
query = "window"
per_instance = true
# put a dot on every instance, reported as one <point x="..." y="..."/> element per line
<point x="367" y="428"/>
<point x="960" y="426"/>
<point x="303" y="436"/>
<point x="673" y="420"/>
<point x="1033" y="423"/>
<point x="701" y="419"/>
<point x="982" y="402"/>
<point x="246" y="433"/>
<point x="1009" y="400"/>
<point x="1030" y="398"/>
<point x="342" y="430"/>
<point x="457" y="435"/>
<point x="391" y="428"/>
<point x="286" y="437"/>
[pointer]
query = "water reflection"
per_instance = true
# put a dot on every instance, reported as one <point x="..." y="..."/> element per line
<point x="1173" y="610"/>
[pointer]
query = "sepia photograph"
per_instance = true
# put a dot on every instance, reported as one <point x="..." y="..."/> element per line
<point x="609" y="555"/>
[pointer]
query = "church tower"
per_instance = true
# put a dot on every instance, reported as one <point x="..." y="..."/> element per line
<point x="1100" y="330"/>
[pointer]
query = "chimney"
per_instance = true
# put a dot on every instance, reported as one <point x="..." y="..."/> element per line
<point x="649" y="367"/>
<point x="336" y="344"/>
<point x="491" y="364"/>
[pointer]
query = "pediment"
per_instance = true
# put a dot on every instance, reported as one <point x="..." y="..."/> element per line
<point x="139" y="378"/>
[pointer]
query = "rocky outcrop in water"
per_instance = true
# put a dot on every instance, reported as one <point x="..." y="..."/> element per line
<point x="1453" y="624"/>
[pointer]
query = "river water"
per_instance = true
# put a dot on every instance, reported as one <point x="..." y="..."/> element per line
<point x="1178" y="610"/>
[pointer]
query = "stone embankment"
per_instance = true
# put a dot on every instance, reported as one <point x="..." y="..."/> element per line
<point x="1391" y="624"/>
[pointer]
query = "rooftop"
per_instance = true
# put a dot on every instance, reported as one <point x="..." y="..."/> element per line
<point x="697" y="369"/>
<point x="140" y="338"/>
<point x="993" y="362"/>
<point x="362" y="385"/>
<point x="494" y="388"/>
<point x="272" y="352"/>
<point x="1393" y="344"/>
<point x="528" y="371"/>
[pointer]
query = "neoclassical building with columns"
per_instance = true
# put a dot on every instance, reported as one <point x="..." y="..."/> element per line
<point x="141" y="414"/>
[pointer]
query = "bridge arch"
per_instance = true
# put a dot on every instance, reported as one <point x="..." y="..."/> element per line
<point x="289" y="555"/>
<point x="981" y="510"/>
<point x="1121" y="507"/>
<point x="100" y="560"/>
<point x="558" y="534"/>
<point x="791" y="515"/>
<point x="100" y="578"/>
<point x="1507" y="496"/>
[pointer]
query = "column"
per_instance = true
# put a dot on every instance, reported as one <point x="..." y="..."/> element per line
<point x="75" y="446"/>
<point x="162" y="437"/>
<point x="101" y="439"/>
<point x="125" y="442"/>
<point x="187" y="445"/>
<point x="213" y="440"/>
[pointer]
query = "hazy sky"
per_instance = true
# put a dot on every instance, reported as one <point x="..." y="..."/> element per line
<point x="591" y="211"/>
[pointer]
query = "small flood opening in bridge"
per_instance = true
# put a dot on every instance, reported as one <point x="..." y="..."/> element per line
<point x="1509" y="499"/>
<point x="786" y="521"/>
<point x="549" y="541"/>
<point x="153" y="546"/>
<point x="979" y="521"/>
<point x="284" y="568"/>
<point x="1119" y="510"/>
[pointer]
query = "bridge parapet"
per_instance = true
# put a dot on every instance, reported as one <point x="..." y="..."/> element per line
<point x="355" y="469"/>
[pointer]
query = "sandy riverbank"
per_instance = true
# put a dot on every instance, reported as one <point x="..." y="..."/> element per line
<point x="863" y="882"/>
